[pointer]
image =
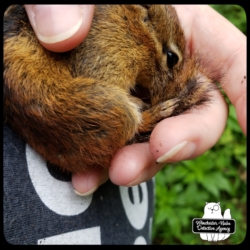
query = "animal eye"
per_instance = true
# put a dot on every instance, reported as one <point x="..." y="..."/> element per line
<point x="216" y="207"/>
<point x="172" y="59"/>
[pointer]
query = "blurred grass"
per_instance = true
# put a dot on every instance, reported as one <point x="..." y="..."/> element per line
<point x="218" y="175"/>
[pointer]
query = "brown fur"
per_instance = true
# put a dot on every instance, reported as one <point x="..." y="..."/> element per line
<point x="78" y="108"/>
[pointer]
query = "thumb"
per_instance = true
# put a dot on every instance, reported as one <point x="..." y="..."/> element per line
<point x="60" y="27"/>
<point x="190" y="134"/>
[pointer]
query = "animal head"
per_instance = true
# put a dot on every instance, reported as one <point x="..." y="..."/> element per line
<point x="212" y="210"/>
<point x="143" y="48"/>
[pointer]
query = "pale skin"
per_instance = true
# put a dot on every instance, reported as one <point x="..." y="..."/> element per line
<point x="173" y="139"/>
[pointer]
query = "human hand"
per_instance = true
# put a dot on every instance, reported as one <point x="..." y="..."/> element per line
<point x="190" y="135"/>
<point x="60" y="28"/>
<point x="193" y="132"/>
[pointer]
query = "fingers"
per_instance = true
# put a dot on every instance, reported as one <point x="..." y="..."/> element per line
<point x="87" y="183"/>
<point x="173" y="139"/>
<point x="60" y="28"/>
<point x="189" y="135"/>
<point x="224" y="46"/>
<point x="132" y="165"/>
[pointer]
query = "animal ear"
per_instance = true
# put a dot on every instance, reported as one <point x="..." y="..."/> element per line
<point x="206" y="203"/>
<point x="147" y="6"/>
<point x="218" y="203"/>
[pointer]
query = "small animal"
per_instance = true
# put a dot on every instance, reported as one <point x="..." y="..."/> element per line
<point x="213" y="211"/>
<point x="79" y="107"/>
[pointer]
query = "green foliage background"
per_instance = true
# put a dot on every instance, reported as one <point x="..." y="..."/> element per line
<point x="218" y="175"/>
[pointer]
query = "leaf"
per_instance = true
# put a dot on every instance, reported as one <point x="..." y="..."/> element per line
<point x="234" y="125"/>
<point x="176" y="174"/>
<point x="209" y="185"/>
<point x="190" y="177"/>
<point x="242" y="160"/>
<point x="161" y="217"/>
<point x="221" y="182"/>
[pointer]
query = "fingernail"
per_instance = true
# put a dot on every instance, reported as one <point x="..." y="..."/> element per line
<point x="55" y="23"/>
<point x="184" y="150"/>
<point x="91" y="191"/>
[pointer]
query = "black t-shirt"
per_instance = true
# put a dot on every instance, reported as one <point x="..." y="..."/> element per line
<point x="40" y="206"/>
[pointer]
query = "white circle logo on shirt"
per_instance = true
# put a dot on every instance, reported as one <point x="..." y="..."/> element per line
<point x="135" y="203"/>
<point x="58" y="196"/>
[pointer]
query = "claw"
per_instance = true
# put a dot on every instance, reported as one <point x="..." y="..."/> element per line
<point x="168" y="107"/>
